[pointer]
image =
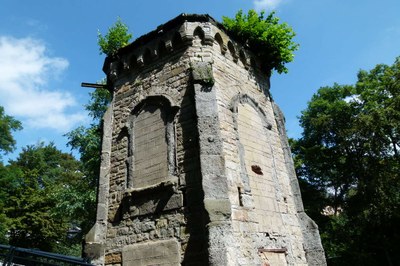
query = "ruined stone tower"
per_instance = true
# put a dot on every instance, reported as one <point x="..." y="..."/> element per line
<point x="196" y="167"/>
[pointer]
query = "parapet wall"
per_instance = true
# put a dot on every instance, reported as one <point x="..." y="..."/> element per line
<point x="196" y="168"/>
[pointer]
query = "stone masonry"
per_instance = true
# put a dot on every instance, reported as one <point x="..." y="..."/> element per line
<point x="196" y="168"/>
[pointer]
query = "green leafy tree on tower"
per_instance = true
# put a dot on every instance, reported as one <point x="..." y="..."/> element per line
<point x="116" y="37"/>
<point x="271" y="40"/>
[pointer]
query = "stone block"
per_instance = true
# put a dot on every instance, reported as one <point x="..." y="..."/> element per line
<point x="218" y="209"/>
<point x="94" y="251"/>
<point x="154" y="203"/>
<point x="161" y="252"/>
<point x="113" y="258"/>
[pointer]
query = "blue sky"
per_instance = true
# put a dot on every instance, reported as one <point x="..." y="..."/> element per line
<point x="48" y="47"/>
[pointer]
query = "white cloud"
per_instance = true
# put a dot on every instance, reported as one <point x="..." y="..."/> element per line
<point x="266" y="4"/>
<point x="25" y="73"/>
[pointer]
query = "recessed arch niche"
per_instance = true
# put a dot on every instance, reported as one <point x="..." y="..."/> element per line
<point x="256" y="155"/>
<point x="151" y="152"/>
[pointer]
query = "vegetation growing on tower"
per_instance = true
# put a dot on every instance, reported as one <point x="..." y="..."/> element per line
<point x="272" y="41"/>
<point x="116" y="38"/>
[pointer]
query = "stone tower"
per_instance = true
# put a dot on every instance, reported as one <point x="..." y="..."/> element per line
<point x="196" y="167"/>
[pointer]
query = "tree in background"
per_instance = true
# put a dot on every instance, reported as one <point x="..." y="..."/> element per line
<point x="7" y="144"/>
<point x="33" y="189"/>
<point x="45" y="193"/>
<point x="7" y="125"/>
<point x="348" y="159"/>
<point x="271" y="40"/>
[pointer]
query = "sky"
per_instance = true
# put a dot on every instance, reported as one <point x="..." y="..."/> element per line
<point x="48" y="47"/>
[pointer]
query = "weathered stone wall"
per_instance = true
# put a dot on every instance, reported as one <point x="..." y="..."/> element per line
<point x="198" y="169"/>
<point x="264" y="214"/>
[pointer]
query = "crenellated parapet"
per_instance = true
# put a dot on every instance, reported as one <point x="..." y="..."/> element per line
<point x="173" y="37"/>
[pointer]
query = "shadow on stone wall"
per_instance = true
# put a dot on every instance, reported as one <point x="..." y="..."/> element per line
<point x="196" y="252"/>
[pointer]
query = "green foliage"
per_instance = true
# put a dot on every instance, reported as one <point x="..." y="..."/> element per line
<point x="45" y="192"/>
<point x="349" y="153"/>
<point x="7" y="125"/>
<point x="116" y="38"/>
<point x="6" y="181"/>
<point x="33" y="194"/>
<point x="273" y="41"/>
